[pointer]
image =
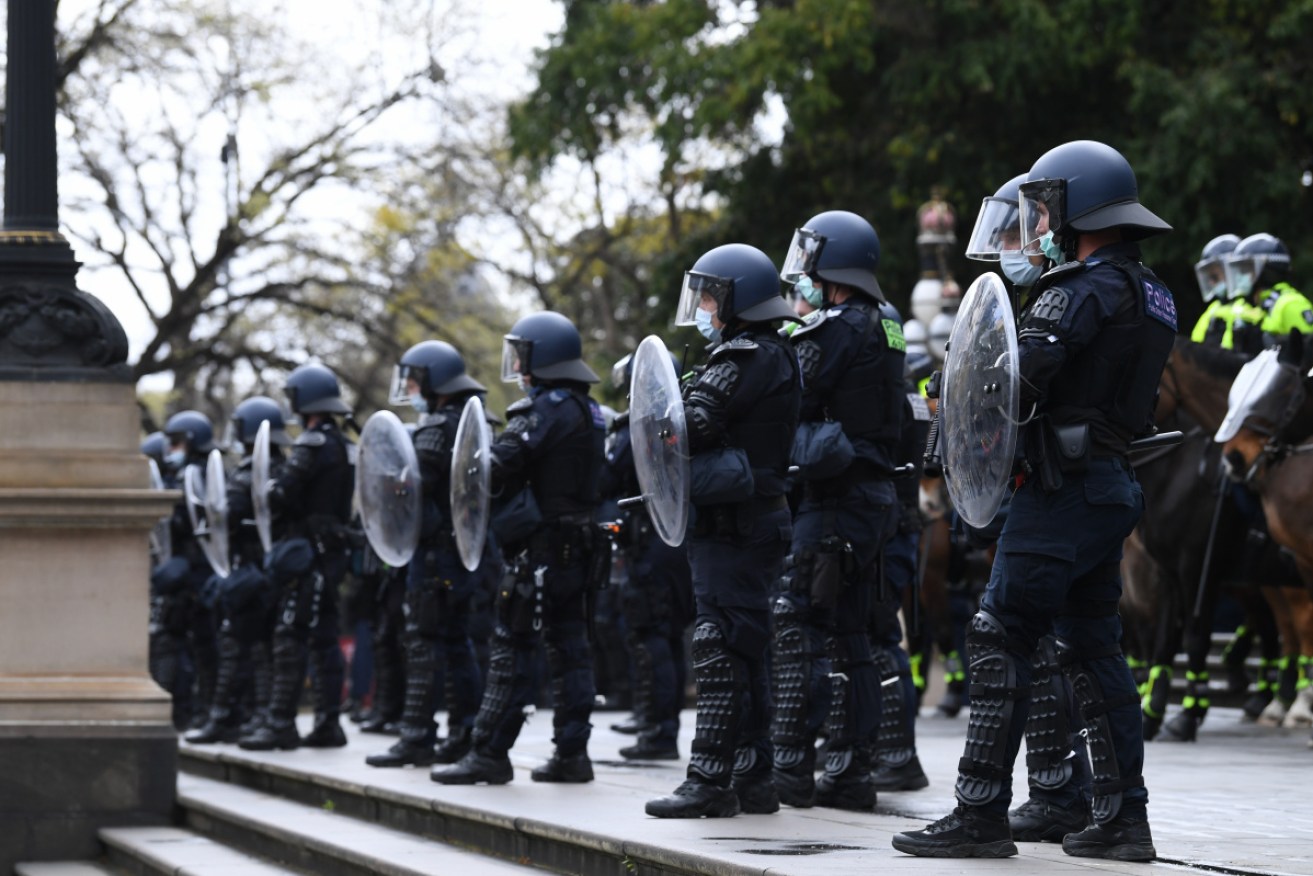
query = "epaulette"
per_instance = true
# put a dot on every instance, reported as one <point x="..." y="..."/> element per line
<point x="737" y="345"/>
<point x="437" y="418"/>
<point x="816" y="317"/>
<point x="520" y="406"/>
<point x="558" y="395"/>
<point x="311" y="438"/>
<point x="1069" y="268"/>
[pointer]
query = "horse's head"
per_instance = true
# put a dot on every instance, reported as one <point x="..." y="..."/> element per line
<point x="1273" y="406"/>
<point x="1198" y="377"/>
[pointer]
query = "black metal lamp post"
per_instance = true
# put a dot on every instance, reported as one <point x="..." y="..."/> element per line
<point x="49" y="329"/>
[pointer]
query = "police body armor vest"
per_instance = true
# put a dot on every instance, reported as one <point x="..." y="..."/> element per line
<point x="1112" y="384"/>
<point x="243" y="539"/>
<point x="765" y="431"/>
<point x="434" y="440"/>
<point x="868" y="400"/>
<point x="326" y="501"/>
<point x="564" y="477"/>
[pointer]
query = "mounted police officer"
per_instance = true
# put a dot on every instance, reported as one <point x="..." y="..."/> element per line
<point x="656" y="599"/>
<point x="246" y="598"/>
<point x="440" y="592"/>
<point x="1269" y="309"/>
<point x="547" y="463"/>
<point x="851" y="357"/>
<point x="182" y="646"/>
<point x="1092" y="348"/>
<point x="312" y="494"/>
<point x="742" y="413"/>
<point x="1214" y="325"/>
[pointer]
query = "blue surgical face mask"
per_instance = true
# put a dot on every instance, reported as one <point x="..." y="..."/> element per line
<point x="1052" y="250"/>
<point x="810" y="292"/>
<point x="709" y="331"/>
<point x="1244" y="284"/>
<point x="1018" y="268"/>
<point x="419" y="402"/>
<point x="175" y="458"/>
<point x="1218" y="292"/>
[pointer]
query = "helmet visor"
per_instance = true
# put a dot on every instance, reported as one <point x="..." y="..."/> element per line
<point x="697" y="288"/>
<point x="401" y="374"/>
<point x="1242" y="275"/>
<point x="620" y="371"/>
<point x="998" y="230"/>
<point x="1043" y="205"/>
<point x="1211" y="274"/>
<point x="804" y="251"/>
<point x="514" y="358"/>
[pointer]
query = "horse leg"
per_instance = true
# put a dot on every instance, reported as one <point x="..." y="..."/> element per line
<point x="1260" y="617"/>
<point x="1301" y="609"/>
<point x="1288" y="665"/>
<point x="1198" y="642"/>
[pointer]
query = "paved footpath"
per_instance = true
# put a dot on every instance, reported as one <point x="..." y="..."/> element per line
<point x="1238" y="801"/>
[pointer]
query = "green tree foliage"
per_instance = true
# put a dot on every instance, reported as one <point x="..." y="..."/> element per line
<point x="882" y="100"/>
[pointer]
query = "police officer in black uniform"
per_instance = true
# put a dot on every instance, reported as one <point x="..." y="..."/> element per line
<point x="431" y="378"/>
<point x="852" y="374"/>
<point x="742" y="413"/>
<point x="656" y="599"/>
<point x="246" y="598"/>
<point x="1092" y="348"/>
<point x="182" y="645"/>
<point x="547" y="463"/>
<point x="312" y="494"/>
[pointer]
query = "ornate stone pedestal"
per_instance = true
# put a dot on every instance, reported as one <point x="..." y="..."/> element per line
<point x="85" y="735"/>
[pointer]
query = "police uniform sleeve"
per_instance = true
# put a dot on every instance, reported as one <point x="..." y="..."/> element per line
<point x="527" y="428"/>
<point x="706" y="408"/>
<point x="240" y="506"/>
<point x="285" y="493"/>
<point x="1292" y="313"/>
<point x="433" y="451"/>
<point x="1061" y="322"/>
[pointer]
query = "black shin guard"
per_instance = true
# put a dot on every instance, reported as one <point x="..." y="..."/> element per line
<point x="417" y="710"/>
<point x="1048" y="728"/>
<point x="895" y="745"/>
<point x="986" y="766"/>
<point x="721" y="685"/>
<point x="495" y="710"/>
<point x="791" y="673"/>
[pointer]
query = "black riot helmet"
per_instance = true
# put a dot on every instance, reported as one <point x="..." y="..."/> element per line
<point x="839" y="247"/>
<point x="154" y="446"/>
<point x="437" y="367"/>
<point x="743" y="282"/>
<point x="1079" y="187"/>
<point x="194" y="428"/>
<point x="547" y="347"/>
<point x="248" y="416"/>
<point x="313" y="389"/>
<point x="1257" y="262"/>
<point x="623" y="371"/>
<point x="1210" y="270"/>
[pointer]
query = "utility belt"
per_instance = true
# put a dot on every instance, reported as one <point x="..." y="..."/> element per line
<point x="1056" y="451"/>
<point x="737" y="519"/>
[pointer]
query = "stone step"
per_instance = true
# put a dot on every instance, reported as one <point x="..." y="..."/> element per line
<point x="61" y="868"/>
<point x="319" y="839"/>
<point x="174" y="851"/>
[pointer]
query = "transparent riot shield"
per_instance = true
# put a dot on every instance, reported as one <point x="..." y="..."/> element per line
<point x="207" y="507"/>
<point x="471" y="473"/>
<point x="388" y="488"/>
<point x="161" y="534"/>
<point x="659" y="436"/>
<point x="264" y="524"/>
<point x="978" y="402"/>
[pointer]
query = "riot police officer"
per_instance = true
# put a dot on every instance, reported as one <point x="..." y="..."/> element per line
<point x="547" y="462"/>
<point x="245" y="603"/>
<point x="1214" y="325"/>
<point x="1256" y="271"/>
<point x="852" y="373"/>
<point x="742" y="413"/>
<point x="182" y="646"/>
<point x="1092" y="348"/>
<point x="440" y="591"/>
<point x="312" y="494"/>
<point x="656" y="599"/>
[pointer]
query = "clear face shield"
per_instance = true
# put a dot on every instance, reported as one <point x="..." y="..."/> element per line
<point x="1211" y="274"/>
<point x="998" y="230"/>
<point x="401" y="375"/>
<point x="513" y="352"/>
<point x="1242" y="275"/>
<point x="620" y="371"/>
<point x="1043" y="207"/>
<point x="804" y="250"/>
<point x="697" y="288"/>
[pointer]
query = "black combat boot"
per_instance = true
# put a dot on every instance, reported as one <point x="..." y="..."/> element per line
<point x="327" y="733"/>
<point x="1121" y="839"/>
<point x="632" y="725"/>
<point x="908" y="776"/>
<point x="216" y="729"/>
<point x="696" y="798"/>
<point x="650" y="746"/>
<point x="404" y="752"/>
<point x="457" y="744"/>
<point x="566" y="768"/>
<point x="274" y="735"/>
<point x="476" y="768"/>
<point x="963" y="833"/>
<point x="794" y="776"/>
<point x="1038" y="821"/>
